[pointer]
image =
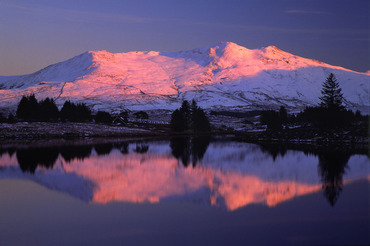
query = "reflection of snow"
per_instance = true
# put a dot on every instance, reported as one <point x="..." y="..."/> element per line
<point x="231" y="174"/>
<point x="55" y="179"/>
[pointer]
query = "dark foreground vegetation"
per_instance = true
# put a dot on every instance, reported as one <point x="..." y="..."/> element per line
<point x="30" y="110"/>
<point x="190" y="118"/>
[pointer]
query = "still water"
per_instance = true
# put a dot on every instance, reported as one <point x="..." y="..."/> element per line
<point x="183" y="191"/>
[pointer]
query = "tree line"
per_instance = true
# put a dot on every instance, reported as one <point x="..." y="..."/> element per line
<point x="31" y="110"/>
<point x="189" y="118"/>
<point x="328" y="114"/>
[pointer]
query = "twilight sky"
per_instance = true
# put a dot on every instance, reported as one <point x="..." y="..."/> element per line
<point x="37" y="33"/>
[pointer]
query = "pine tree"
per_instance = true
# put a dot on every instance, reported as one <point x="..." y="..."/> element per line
<point x="189" y="118"/>
<point x="200" y="121"/>
<point x="186" y="114"/>
<point x="48" y="110"/>
<point x="83" y="113"/>
<point x="177" y="121"/>
<point x="75" y="113"/>
<point x="28" y="108"/>
<point x="67" y="113"/>
<point x="332" y="96"/>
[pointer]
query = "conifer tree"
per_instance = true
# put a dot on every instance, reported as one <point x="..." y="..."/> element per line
<point x="83" y="112"/>
<point x="177" y="121"/>
<point x="75" y="113"/>
<point x="67" y="113"/>
<point x="189" y="117"/>
<point x="28" y="108"/>
<point x="186" y="114"/>
<point x="332" y="96"/>
<point x="200" y="121"/>
<point x="48" y="110"/>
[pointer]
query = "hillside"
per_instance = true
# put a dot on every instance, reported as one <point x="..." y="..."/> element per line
<point x="217" y="77"/>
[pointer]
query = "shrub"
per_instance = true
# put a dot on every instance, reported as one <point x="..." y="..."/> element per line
<point x="103" y="117"/>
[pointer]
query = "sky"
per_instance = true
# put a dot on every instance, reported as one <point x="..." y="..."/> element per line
<point x="37" y="33"/>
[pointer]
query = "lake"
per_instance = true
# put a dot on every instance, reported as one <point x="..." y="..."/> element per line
<point x="183" y="191"/>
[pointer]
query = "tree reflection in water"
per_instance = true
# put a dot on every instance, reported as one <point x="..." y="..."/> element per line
<point x="141" y="148"/>
<point x="3" y="151"/>
<point x="30" y="158"/>
<point x="189" y="149"/>
<point x="10" y="151"/>
<point x="332" y="162"/>
<point x="103" y="149"/>
<point x="71" y="152"/>
<point x="332" y="165"/>
<point x="274" y="150"/>
<point x="122" y="147"/>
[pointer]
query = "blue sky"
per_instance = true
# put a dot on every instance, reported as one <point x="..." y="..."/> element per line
<point x="37" y="33"/>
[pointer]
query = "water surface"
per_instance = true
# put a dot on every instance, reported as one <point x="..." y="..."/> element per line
<point x="183" y="192"/>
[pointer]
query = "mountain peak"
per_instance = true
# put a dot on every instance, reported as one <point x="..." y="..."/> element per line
<point x="219" y="76"/>
<point x="101" y="55"/>
<point x="228" y="45"/>
<point x="273" y="50"/>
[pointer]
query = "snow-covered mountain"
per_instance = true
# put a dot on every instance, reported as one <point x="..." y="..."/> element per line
<point x="221" y="76"/>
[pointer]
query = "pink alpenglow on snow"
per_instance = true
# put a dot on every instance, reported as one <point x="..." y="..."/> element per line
<point x="222" y="76"/>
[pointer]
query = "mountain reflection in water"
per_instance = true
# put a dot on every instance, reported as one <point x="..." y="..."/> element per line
<point x="223" y="173"/>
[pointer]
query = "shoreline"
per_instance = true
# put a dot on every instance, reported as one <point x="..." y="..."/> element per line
<point x="24" y="131"/>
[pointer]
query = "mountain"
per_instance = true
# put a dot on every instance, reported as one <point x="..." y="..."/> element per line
<point x="217" y="77"/>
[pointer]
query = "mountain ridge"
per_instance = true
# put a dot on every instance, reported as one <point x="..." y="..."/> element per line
<point x="221" y="76"/>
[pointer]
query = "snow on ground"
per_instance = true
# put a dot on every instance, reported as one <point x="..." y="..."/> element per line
<point x="24" y="130"/>
<point x="224" y="75"/>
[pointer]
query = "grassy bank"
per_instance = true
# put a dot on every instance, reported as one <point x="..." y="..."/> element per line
<point x="46" y="130"/>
